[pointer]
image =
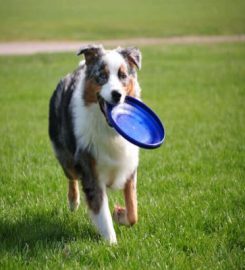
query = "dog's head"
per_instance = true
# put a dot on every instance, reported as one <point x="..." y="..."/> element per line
<point x="110" y="74"/>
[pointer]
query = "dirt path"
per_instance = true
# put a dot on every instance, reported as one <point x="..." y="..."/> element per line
<point x="32" y="47"/>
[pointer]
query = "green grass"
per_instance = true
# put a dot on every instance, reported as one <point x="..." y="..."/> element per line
<point x="80" y="19"/>
<point x="191" y="191"/>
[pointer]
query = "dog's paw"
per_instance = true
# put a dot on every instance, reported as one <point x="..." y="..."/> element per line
<point x="120" y="215"/>
<point x="109" y="235"/>
<point x="73" y="195"/>
<point x="74" y="204"/>
<point x="112" y="239"/>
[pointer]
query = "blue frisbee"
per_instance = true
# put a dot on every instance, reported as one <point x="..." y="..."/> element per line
<point x="137" y="123"/>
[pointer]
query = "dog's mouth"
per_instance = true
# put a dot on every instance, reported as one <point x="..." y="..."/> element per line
<point x="103" y="107"/>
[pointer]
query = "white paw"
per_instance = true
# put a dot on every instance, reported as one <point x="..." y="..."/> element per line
<point x="111" y="238"/>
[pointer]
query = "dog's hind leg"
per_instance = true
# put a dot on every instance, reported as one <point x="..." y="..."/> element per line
<point x="73" y="194"/>
<point x="128" y="216"/>
<point x="73" y="186"/>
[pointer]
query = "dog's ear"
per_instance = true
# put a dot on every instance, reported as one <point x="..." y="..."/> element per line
<point x="132" y="55"/>
<point x="91" y="52"/>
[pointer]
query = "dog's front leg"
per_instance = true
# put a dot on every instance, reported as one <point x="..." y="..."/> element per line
<point x="97" y="202"/>
<point x="102" y="219"/>
<point x="96" y="196"/>
<point x="128" y="216"/>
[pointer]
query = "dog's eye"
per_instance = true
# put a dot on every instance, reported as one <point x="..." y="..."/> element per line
<point x="122" y="75"/>
<point x="103" y="76"/>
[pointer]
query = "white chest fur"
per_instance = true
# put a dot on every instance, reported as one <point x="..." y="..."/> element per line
<point x="116" y="158"/>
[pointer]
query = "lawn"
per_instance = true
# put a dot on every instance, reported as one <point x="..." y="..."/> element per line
<point x="191" y="190"/>
<point x="79" y="19"/>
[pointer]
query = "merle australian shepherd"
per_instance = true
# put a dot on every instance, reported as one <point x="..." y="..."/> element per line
<point x="87" y="148"/>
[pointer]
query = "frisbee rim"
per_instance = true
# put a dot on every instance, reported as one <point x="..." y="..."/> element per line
<point x="132" y="102"/>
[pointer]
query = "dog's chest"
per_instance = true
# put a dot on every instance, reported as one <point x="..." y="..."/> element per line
<point x="116" y="159"/>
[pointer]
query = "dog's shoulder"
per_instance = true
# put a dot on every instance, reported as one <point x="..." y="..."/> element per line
<point x="65" y="88"/>
<point x="60" y="123"/>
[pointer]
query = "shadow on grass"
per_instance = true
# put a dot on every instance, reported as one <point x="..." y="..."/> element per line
<point x="43" y="231"/>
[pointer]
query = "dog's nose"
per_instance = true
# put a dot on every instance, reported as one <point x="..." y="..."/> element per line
<point x="116" y="96"/>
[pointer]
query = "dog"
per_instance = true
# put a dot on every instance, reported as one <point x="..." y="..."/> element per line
<point x="86" y="146"/>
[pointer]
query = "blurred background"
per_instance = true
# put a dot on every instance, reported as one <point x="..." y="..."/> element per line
<point x="110" y="19"/>
<point x="190" y="191"/>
